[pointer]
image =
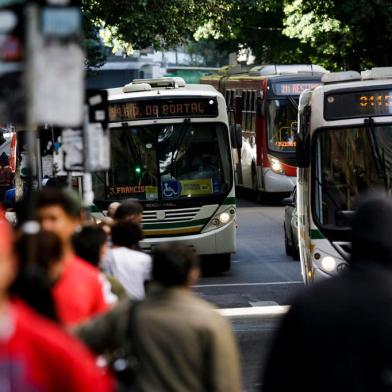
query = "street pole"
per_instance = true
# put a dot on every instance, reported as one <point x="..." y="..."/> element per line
<point x="31" y="127"/>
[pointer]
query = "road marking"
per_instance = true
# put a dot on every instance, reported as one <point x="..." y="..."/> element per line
<point x="259" y="311"/>
<point x="247" y="284"/>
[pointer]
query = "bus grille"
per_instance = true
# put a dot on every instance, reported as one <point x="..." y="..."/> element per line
<point x="178" y="215"/>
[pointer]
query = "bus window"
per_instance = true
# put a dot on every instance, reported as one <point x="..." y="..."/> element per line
<point x="227" y="98"/>
<point x="232" y="93"/>
<point x="151" y="162"/>
<point x="350" y="161"/>
<point x="281" y="125"/>
<point x="253" y="109"/>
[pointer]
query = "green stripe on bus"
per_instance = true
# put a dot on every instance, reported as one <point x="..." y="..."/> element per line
<point x="229" y="200"/>
<point x="175" y="225"/>
<point x="316" y="235"/>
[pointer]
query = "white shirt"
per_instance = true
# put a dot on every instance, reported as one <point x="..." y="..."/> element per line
<point x="131" y="268"/>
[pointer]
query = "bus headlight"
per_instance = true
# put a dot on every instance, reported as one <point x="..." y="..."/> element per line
<point x="220" y="219"/>
<point x="224" y="218"/>
<point x="328" y="263"/>
<point x="276" y="166"/>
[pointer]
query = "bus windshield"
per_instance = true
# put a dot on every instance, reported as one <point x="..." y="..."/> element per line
<point x="282" y="124"/>
<point x="169" y="161"/>
<point x="349" y="161"/>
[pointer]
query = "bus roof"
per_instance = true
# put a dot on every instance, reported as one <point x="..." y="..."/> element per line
<point x="287" y="69"/>
<point x="268" y="71"/>
<point x="355" y="84"/>
<point x="187" y="90"/>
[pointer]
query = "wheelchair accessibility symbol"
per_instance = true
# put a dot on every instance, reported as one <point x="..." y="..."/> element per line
<point x="170" y="189"/>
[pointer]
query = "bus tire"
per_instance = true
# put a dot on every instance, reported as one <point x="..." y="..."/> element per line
<point x="287" y="246"/>
<point x="295" y="250"/>
<point x="223" y="262"/>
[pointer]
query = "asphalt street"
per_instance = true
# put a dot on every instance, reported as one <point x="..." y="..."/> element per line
<point x="261" y="275"/>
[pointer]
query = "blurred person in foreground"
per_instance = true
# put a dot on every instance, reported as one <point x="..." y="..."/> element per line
<point x="130" y="210"/>
<point x="337" y="334"/>
<point x="38" y="257"/>
<point x="35" y="355"/>
<point x="124" y="261"/>
<point x="180" y="341"/>
<point x="78" y="291"/>
<point x="90" y="244"/>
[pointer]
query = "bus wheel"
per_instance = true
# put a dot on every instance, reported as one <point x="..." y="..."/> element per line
<point x="287" y="246"/>
<point x="223" y="262"/>
<point x="295" y="250"/>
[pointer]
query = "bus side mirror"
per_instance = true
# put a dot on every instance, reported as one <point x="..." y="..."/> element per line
<point x="302" y="139"/>
<point x="236" y="135"/>
<point x="302" y="150"/>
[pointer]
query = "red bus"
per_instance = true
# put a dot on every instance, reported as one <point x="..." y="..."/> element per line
<point x="263" y="103"/>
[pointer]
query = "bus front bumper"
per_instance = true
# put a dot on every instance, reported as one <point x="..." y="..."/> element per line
<point x="219" y="241"/>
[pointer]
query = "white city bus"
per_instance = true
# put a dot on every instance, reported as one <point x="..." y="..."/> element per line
<point x="170" y="149"/>
<point x="344" y="147"/>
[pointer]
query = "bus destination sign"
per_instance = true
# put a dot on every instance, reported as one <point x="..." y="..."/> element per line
<point x="163" y="108"/>
<point x="293" y="88"/>
<point x="358" y="104"/>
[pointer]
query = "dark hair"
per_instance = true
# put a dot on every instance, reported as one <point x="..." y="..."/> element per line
<point x="128" y="208"/>
<point x="126" y="233"/>
<point x="68" y="200"/>
<point x="87" y="243"/>
<point x="43" y="248"/>
<point x="36" y="253"/>
<point x="32" y="285"/>
<point x="172" y="263"/>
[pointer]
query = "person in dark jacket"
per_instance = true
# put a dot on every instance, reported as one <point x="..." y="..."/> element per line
<point x="180" y="341"/>
<point x="337" y="335"/>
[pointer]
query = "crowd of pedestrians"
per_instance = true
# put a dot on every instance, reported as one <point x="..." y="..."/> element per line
<point x="77" y="297"/>
<point x="82" y="308"/>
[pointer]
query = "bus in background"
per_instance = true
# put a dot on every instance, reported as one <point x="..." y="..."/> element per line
<point x="263" y="102"/>
<point x="344" y="148"/>
<point x="170" y="149"/>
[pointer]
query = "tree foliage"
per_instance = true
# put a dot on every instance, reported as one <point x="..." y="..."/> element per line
<point x="157" y="23"/>
<point x="335" y="33"/>
<point x="257" y="25"/>
<point x="95" y="51"/>
<point x="349" y="34"/>
<point x="223" y="24"/>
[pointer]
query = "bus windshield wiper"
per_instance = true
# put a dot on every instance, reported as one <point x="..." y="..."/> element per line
<point x="293" y="102"/>
<point x="184" y="127"/>
<point x="377" y="152"/>
<point x="341" y="213"/>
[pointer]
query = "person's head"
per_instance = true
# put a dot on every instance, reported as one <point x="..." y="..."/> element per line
<point x="42" y="249"/>
<point x="112" y="209"/>
<point x="175" y="265"/>
<point x="59" y="211"/>
<point x="90" y="244"/>
<point x="126" y="233"/>
<point x="129" y="210"/>
<point x="372" y="230"/>
<point x="38" y="257"/>
<point x="106" y="225"/>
